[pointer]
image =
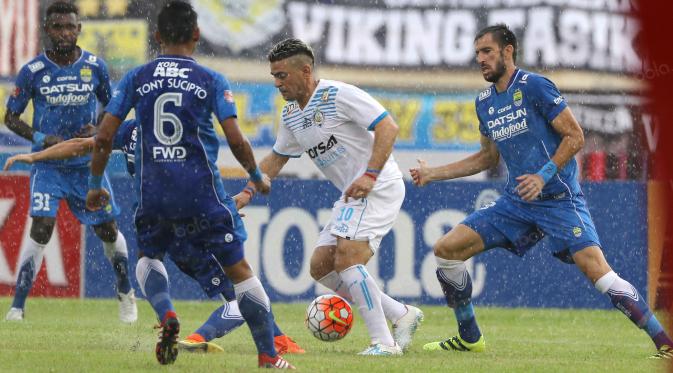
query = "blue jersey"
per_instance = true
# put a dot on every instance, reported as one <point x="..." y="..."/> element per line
<point x="64" y="97"/>
<point x="174" y="99"/>
<point x="125" y="140"/>
<point x="518" y="121"/>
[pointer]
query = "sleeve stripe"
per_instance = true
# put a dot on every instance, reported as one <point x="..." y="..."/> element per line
<point x="377" y="120"/>
<point x="286" y="155"/>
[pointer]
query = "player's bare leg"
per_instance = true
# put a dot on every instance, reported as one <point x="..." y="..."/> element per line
<point x="255" y="308"/>
<point x="114" y="245"/>
<point x="30" y="261"/>
<point x="404" y="318"/>
<point x="624" y="297"/>
<point x="451" y="252"/>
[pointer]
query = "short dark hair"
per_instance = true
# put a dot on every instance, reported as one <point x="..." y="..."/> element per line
<point x="61" y="7"/>
<point x="288" y="48"/>
<point x="176" y="22"/>
<point x="501" y="35"/>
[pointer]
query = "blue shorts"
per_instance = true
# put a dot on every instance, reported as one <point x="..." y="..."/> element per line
<point x="48" y="185"/>
<point x="517" y="225"/>
<point x="200" y="246"/>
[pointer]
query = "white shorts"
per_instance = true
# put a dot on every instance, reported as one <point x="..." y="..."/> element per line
<point x="366" y="219"/>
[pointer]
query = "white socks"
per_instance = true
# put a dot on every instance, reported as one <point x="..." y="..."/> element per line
<point x="32" y="251"/>
<point x="392" y="309"/>
<point x="367" y="296"/>
<point x="116" y="247"/>
<point x="143" y="268"/>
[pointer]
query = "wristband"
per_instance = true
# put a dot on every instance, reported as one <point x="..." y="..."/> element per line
<point x="249" y="190"/>
<point x="95" y="182"/>
<point x="256" y="175"/>
<point x="373" y="171"/>
<point x="372" y="175"/>
<point x="38" y="138"/>
<point x="547" y="171"/>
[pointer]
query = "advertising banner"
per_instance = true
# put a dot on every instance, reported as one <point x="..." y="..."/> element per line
<point x="60" y="275"/>
<point x="284" y="227"/>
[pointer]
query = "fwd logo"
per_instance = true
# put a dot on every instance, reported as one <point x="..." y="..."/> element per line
<point x="60" y="275"/>
<point x="169" y="153"/>
<point x="322" y="147"/>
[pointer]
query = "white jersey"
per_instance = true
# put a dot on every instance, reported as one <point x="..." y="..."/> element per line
<point x="335" y="130"/>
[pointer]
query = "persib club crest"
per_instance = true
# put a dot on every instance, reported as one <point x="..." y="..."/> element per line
<point x="239" y="24"/>
<point x="85" y="74"/>
<point x="518" y="97"/>
<point x="577" y="231"/>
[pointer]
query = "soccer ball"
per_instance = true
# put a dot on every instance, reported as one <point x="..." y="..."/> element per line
<point x="329" y="318"/>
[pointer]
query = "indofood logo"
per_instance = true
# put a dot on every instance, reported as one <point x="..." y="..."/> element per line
<point x="239" y="24"/>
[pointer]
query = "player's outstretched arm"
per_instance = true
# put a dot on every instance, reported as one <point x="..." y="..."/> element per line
<point x="270" y="166"/>
<point x="484" y="159"/>
<point x="572" y="140"/>
<point x="21" y="128"/>
<point x="97" y="197"/>
<point x="240" y="147"/>
<point x="76" y="147"/>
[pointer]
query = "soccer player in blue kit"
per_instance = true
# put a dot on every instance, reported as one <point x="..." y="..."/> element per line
<point x="182" y="208"/>
<point x="207" y="272"/>
<point x="63" y="83"/>
<point x="524" y="119"/>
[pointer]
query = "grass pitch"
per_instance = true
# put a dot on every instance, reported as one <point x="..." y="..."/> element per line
<point x="85" y="336"/>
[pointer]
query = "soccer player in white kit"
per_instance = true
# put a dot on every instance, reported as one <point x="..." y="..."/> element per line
<point x="349" y="136"/>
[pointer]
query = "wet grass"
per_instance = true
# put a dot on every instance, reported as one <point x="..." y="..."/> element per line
<point x="85" y="336"/>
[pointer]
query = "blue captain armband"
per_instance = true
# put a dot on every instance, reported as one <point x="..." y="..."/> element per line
<point x="548" y="171"/>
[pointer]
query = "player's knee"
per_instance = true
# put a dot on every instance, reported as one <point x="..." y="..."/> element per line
<point x="106" y="231"/>
<point x="42" y="229"/>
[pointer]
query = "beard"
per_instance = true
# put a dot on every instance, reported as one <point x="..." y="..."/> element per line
<point x="498" y="72"/>
<point x="63" y="47"/>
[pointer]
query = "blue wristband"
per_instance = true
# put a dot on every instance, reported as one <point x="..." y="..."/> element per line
<point x="548" y="171"/>
<point x="95" y="182"/>
<point x="38" y="138"/>
<point x="255" y="175"/>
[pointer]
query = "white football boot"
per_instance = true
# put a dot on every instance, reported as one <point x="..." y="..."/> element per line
<point x="128" y="311"/>
<point x="405" y="328"/>
<point x="14" y="314"/>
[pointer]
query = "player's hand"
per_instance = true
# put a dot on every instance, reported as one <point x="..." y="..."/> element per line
<point x="421" y="174"/>
<point x="242" y="199"/>
<point x="87" y="131"/>
<point x="22" y="158"/>
<point x="360" y="188"/>
<point x="97" y="199"/>
<point x="263" y="186"/>
<point x="530" y="186"/>
<point x="50" y="140"/>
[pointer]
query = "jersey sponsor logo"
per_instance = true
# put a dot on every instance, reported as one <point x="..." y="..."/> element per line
<point x="322" y="147"/>
<point x="215" y="281"/>
<point x="85" y="74"/>
<point x="325" y="96"/>
<point x="503" y="109"/>
<point x="36" y="66"/>
<point x="67" y="93"/>
<point x="66" y="78"/>
<point x="491" y="110"/>
<point x="292" y="106"/>
<point x="558" y="100"/>
<point x="485" y="94"/>
<point x="507" y="118"/>
<point x="171" y="70"/>
<point x="228" y="96"/>
<point x="517" y="97"/>
<point x="509" y="131"/>
<point x="92" y="60"/>
<point x="524" y="77"/>
<point x="46" y="79"/>
<point x="169" y="153"/>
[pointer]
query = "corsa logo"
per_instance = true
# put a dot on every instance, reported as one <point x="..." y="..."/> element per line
<point x="60" y="275"/>
<point x="322" y="147"/>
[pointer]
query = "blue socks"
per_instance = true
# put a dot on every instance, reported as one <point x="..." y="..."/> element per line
<point x="120" y="264"/>
<point x="31" y="261"/>
<point x="457" y="287"/>
<point x="626" y="298"/>
<point x="256" y="310"/>
<point x="153" y="279"/>
<point x="222" y="321"/>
